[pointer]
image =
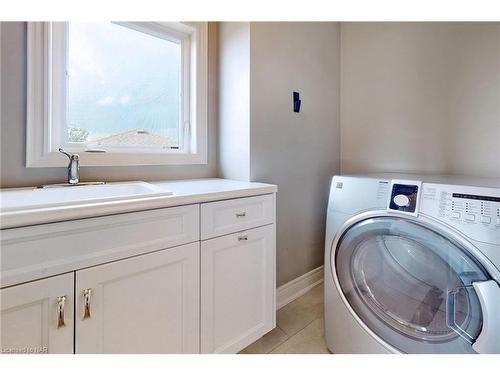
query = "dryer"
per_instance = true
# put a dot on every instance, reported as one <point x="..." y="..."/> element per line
<point x="412" y="265"/>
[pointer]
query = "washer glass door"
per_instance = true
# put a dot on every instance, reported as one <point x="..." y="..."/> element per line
<point x="411" y="286"/>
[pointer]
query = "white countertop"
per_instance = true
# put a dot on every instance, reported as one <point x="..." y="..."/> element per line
<point x="184" y="192"/>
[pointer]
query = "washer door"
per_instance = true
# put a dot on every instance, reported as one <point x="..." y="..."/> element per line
<point x="410" y="286"/>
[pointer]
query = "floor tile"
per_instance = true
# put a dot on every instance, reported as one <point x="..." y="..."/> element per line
<point x="267" y="342"/>
<point x="310" y="340"/>
<point x="300" y="328"/>
<point x="301" y="312"/>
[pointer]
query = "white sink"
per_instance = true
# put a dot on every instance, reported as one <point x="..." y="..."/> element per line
<point x="35" y="198"/>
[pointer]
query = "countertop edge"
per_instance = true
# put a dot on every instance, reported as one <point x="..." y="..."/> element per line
<point x="16" y="219"/>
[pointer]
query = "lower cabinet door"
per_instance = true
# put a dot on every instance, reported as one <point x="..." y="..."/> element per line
<point x="144" y="304"/>
<point x="37" y="317"/>
<point x="237" y="289"/>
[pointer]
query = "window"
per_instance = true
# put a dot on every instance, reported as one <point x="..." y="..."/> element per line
<point x="122" y="94"/>
<point x="117" y="93"/>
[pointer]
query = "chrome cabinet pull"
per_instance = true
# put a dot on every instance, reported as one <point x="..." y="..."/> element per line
<point x="87" y="293"/>
<point x="243" y="237"/>
<point x="61" y="302"/>
<point x="241" y="214"/>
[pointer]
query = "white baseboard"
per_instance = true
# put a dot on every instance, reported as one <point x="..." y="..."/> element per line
<point x="298" y="287"/>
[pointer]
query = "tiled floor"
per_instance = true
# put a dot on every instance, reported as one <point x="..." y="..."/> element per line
<point x="300" y="328"/>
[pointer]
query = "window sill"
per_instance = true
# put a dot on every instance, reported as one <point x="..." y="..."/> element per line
<point x="55" y="159"/>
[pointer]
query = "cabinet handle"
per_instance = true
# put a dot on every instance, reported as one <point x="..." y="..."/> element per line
<point x="241" y="214"/>
<point x="87" y="293"/>
<point x="242" y="237"/>
<point x="61" y="302"/>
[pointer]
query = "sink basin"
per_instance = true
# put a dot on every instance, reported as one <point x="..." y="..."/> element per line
<point x="34" y="198"/>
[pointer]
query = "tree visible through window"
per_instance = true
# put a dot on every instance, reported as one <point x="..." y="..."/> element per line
<point x="123" y="87"/>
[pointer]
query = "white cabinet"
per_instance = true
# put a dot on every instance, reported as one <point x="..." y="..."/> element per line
<point x="232" y="215"/>
<point x="30" y="253"/>
<point x="37" y="317"/>
<point x="145" y="304"/>
<point x="186" y="279"/>
<point x="237" y="289"/>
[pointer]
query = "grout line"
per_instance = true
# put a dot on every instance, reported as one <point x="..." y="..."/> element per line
<point x="288" y="337"/>
<point x="295" y="334"/>
<point x="278" y="345"/>
<point x="309" y="291"/>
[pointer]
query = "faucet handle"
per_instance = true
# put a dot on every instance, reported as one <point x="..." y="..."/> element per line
<point x="69" y="155"/>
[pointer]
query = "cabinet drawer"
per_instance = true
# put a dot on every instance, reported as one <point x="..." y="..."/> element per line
<point x="44" y="250"/>
<point x="224" y="217"/>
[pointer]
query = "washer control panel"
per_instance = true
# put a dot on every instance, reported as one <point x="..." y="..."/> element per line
<point x="404" y="196"/>
<point x="472" y="210"/>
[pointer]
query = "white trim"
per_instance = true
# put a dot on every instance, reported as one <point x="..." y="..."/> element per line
<point x="298" y="287"/>
<point x="44" y="83"/>
<point x="38" y="94"/>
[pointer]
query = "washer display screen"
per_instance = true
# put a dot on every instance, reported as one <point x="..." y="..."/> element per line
<point x="404" y="198"/>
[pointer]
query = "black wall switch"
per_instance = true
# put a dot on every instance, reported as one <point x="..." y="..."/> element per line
<point x="296" y="102"/>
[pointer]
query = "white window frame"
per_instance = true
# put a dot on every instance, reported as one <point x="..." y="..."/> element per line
<point x="46" y="99"/>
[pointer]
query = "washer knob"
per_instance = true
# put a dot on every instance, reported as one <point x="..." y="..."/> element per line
<point x="401" y="200"/>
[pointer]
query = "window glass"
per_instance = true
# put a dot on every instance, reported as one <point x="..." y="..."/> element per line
<point x="123" y="88"/>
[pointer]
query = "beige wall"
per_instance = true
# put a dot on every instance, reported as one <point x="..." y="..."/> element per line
<point x="414" y="97"/>
<point x="420" y="97"/>
<point x="297" y="151"/>
<point x="233" y="139"/>
<point x="13" y="126"/>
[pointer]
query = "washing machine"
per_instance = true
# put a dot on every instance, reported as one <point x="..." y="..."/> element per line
<point x="412" y="265"/>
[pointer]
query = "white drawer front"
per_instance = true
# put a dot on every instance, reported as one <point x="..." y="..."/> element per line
<point x="43" y="250"/>
<point x="224" y="217"/>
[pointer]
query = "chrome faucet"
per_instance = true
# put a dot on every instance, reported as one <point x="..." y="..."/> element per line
<point x="73" y="167"/>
